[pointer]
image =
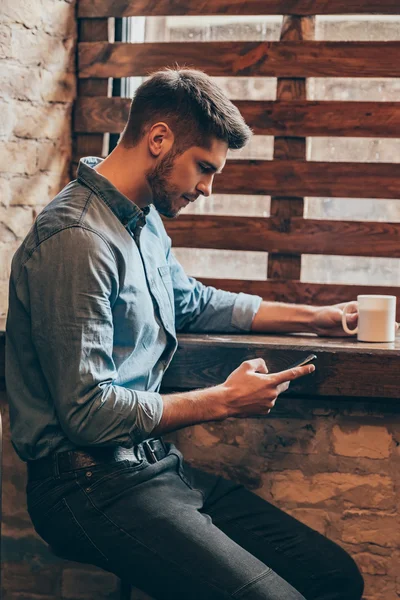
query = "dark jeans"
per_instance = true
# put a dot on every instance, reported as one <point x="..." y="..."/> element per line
<point x="181" y="534"/>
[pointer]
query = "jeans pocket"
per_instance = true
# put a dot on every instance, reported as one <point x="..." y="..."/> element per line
<point x="184" y="472"/>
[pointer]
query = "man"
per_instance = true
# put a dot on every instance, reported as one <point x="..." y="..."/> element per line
<point x="96" y="298"/>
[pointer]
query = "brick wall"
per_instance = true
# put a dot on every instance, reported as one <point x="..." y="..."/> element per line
<point x="37" y="43"/>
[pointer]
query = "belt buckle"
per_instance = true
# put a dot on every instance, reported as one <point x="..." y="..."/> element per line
<point x="149" y="452"/>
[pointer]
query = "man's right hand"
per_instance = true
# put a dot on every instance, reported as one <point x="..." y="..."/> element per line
<point x="250" y="390"/>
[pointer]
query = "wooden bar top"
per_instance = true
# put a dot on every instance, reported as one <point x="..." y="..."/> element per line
<point x="344" y="366"/>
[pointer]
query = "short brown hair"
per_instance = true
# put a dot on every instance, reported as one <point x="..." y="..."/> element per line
<point x="191" y="104"/>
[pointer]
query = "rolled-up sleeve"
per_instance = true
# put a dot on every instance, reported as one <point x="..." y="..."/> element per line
<point x="200" y="308"/>
<point x="72" y="280"/>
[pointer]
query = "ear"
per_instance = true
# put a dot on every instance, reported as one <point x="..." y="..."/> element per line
<point x="160" y="139"/>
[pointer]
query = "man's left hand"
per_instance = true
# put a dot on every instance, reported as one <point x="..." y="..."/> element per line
<point x="327" y="320"/>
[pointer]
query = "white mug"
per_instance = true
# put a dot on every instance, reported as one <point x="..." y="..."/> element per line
<point x="376" y="318"/>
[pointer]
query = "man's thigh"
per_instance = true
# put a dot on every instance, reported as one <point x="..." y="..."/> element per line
<point x="310" y="562"/>
<point x="147" y="525"/>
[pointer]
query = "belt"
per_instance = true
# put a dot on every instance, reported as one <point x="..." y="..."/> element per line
<point x="151" y="450"/>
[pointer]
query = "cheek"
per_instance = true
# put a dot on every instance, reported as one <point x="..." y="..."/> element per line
<point x="185" y="178"/>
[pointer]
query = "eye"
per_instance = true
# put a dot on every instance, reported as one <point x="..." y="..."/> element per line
<point x="204" y="168"/>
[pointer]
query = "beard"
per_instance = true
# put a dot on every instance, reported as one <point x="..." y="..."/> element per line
<point x="162" y="190"/>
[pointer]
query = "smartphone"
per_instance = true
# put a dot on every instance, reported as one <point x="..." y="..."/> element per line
<point x="303" y="361"/>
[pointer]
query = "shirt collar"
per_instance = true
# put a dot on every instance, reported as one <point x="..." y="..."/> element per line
<point x="127" y="211"/>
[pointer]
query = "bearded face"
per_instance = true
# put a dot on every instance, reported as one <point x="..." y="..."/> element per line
<point x="181" y="177"/>
<point x="165" y="193"/>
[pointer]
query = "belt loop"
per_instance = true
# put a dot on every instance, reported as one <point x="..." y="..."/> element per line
<point x="163" y="444"/>
<point x="149" y="452"/>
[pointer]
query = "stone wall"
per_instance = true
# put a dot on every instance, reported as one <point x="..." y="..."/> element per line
<point x="37" y="63"/>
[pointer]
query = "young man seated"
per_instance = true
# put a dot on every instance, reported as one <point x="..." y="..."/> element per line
<point x="96" y="299"/>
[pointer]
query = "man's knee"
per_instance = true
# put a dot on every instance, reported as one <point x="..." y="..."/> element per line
<point x="349" y="584"/>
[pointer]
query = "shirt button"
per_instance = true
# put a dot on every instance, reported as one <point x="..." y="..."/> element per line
<point x="89" y="474"/>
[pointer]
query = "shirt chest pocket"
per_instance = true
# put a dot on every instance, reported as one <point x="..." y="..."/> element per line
<point x="165" y="285"/>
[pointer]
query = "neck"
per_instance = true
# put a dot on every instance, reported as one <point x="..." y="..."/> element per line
<point x="125" y="168"/>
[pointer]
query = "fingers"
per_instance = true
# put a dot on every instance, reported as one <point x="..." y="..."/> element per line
<point x="291" y="374"/>
<point x="256" y="364"/>
<point x="352" y="307"/>
<point x="351" y="317"/>
<point x="283" y="387"/>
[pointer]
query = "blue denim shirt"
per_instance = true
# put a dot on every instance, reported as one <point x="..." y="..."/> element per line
<point x="96" y="297"/>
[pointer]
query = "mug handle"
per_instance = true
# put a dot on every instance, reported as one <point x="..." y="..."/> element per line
<point x="344" y="321"/>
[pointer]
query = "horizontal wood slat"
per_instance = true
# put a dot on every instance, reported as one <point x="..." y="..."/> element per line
<point x="128" y="8"/>
<point x="315" y="179"/>
<point x="279" y="59"/>
<point x="316" y="118"/>
<point x="301" y="292"/>
<point x="292" y="236"/>
<point x="297" y="178"/>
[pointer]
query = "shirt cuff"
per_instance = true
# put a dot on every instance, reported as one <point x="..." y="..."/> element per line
<point x="244" y="310"/>
<point x="149" y="412"/>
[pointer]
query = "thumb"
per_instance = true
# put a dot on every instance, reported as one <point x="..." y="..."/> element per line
<point x="259" y="365"/>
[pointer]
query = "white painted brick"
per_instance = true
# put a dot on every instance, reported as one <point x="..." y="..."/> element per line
<point x="15" y="222"/>
<point x="20" y="82"/>
<point x="27" y="13"/>
<point x="18" y="157"/>
<point x="57" y="86"/>
<point x="36" y="121"/>
<point x="36" y="190"/>
<point x="5" y="41"/>
<point x="7" y="118"/>
<point x="5" y="192"/>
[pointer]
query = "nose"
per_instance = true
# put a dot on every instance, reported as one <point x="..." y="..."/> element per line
<point x="204" y="187"/>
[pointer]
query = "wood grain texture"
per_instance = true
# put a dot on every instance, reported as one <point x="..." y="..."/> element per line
<point x="207" y="360"/>
<point x="299" y="292"/>
<point x="280" y="265"/>
<point x="128" y="8"/>
<point x="90" y="30"/>
<point x="294" y="235"/>
<point x="323" y="118"/>
<point x="296" y="178"/>
<point x="253" y="59"/>
<point x="282" y="118"/>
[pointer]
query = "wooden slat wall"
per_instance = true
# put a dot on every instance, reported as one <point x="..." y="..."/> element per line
<point x="289" y="177"/>
<point x="295" y="178"/>
<point x="150" y="8"/>
<point x="283" y="208"/>
<point x="251" y="59"/>
<point x="295" y="235"/>
<point x="297" y="118"/>
<point x="90" y="142"/>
